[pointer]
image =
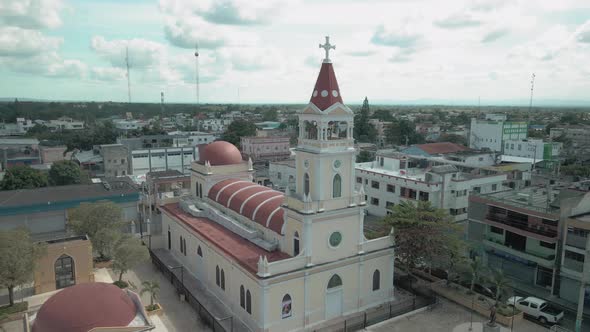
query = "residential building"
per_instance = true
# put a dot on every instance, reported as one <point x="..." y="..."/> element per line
<point x="115" y="159"/>
<point x="129" y="124"/>
<point x="191" y="138"/>
<point x="266" y="148"/>
<point x="578" y="136"/>
<point x="51" y="154"/>
<point x="491" y="134"/>
<point x="536" y="149"/>
<point x="143" y="161"/>
<point x="430" y="131"/>
<point x="63" y="123"/>
<point x="394" y="177"/>
<point x="381" y="127"/>
<point x="536" y="236"/>
<point x="147" y="142"/>
<point x="282" y="174"/>
<point x="284" y="262"/>
<point x="19" y="128"/>
<point x="19" y="151"/>
<point x="213" y="125"/>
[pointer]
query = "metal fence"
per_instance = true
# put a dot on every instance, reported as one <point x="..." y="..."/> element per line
<point x="205" y="316"/>
<point x="422" y="297"/>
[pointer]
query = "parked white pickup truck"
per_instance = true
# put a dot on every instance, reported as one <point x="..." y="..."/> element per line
<point x="537" y="308"/>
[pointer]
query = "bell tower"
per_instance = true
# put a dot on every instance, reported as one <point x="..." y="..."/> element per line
<point x="325" y="153"/>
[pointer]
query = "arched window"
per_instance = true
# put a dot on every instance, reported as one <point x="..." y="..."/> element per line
<point x="222" y="279"/>
<point x="335" y="281"/>
<point x="242" y="300"/>
<point x="199" y="251"/>
<point x="248" y="302"/>
<point x="376" y="280"/>
<point x="337" y="186"/>
<point x="286" y="306"/>
<point x="64" y="272"/>
<point x="306" y="184"/>
<point x="197" y="189"/>
<point x="295" y="244"/>
<point x="217" y="278"/>
<point x="200" y="190"/>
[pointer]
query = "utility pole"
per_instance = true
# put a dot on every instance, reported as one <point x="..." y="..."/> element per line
<point x="128" y="75"/>
<point x="583" y="284"/>
<point x="532" y="88"/>
<point x="197" y="72"/>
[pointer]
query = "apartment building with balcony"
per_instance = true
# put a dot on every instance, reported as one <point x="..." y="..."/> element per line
<point x="534" y="235"/>
<point x="395" y="177"/>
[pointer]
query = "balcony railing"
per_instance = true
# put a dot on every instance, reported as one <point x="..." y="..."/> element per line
<point x="573" y="265"/>
<point x="576" y="241"/>
<point x="520" y="225"/>
<point x="497" y="242"/>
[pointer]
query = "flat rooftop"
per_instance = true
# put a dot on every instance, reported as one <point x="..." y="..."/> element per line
<point x="117" y="187"/>
<point x="243" y="251"/>
<point x="533" y="198"/>
<point x="406" y="174"/>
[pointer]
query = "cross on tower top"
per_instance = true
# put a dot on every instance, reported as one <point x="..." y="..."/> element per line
<point x="327" y="46"/>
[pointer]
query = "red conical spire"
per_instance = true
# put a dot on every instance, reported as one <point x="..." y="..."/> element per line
<point x="326" y="92"/>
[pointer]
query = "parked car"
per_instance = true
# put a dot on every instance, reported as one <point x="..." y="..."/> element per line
<point x="537" y="308"/>
<point x="478" y="288"/>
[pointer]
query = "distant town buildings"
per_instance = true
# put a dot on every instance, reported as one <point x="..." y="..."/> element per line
<point x="266" y="148"/>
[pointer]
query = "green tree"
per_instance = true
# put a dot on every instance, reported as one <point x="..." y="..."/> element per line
<point x="128" y="253"/>
<point x="270" y="114"/>
<point x="402" y="132"/>
<point x="420" y="232"/>
<point x="476" y="270"/>
<point x="23" y="177"/>
<point x="364" y="131"/>
<point x="364" y="156"/>
<point x="101" y="221"/>
<point x="18" y="256"/>
<point x="152" y="288"/>
<point x="500" y="282"/>
<point x="383" y="115"/>
<point x="64" y="172"/>
<point x="237" y="129"/>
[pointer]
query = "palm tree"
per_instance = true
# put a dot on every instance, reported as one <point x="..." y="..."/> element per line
<point x="500" y="282"/>
<point x="151" y="287"/>
<point x="476" y="269"/>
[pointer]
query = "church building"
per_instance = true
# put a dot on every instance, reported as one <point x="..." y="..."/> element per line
<point x="285" y="261"/>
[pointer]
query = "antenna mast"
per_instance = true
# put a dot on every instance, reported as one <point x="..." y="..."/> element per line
<point x="532" y="88"/>
<point x="197" y="72"/>
<point x="128" y="76"/>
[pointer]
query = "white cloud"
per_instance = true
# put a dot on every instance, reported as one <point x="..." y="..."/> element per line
<point x="187" y="32"/>
<point x="107" y="74"/>
<point x="23" y="42"/>
<point x="403" y="36"/>
<point x="142" y="53"/>
<point x="31" y="14"/>
<point x="583" y="33"/>
<point x="48" y="64"/>
<point x="459" y="20"/>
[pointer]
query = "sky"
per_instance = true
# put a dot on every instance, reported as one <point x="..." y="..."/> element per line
<point x="266" y="51"/>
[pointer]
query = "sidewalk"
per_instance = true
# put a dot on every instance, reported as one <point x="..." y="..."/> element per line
<point x="201" y="293"/>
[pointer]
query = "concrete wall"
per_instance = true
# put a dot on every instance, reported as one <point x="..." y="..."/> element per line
<point x="81" y="253"/>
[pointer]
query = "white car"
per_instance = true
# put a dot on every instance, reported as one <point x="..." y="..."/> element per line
<point x="537" y="308"/>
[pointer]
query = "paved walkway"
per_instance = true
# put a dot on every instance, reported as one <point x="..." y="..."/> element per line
<point x="177" y="316"/>
<point x="446" y="317"/>
<point x="200" y="291"/>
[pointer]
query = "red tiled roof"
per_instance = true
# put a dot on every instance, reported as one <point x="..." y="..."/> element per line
<point x="441" y="148"/>
<point x="326" y="92"/>
<point x="253" y="201"/>
<point x="83" y="307"/>
<point x="243" y="251"/>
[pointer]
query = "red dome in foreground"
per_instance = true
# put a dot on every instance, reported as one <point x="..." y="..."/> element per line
<point x="82" y="307"/>
<point x="220" y="153"/>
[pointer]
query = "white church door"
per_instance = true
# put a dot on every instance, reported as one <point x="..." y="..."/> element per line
<point x="334" y="297"/>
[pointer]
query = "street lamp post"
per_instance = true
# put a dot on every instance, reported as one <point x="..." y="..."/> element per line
<point x="181" y="267"/>
<point x="149" y="236"/>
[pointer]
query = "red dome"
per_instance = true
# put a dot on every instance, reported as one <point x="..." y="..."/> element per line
<point x="220" y="153"/>
<point x="82" y="307"/>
